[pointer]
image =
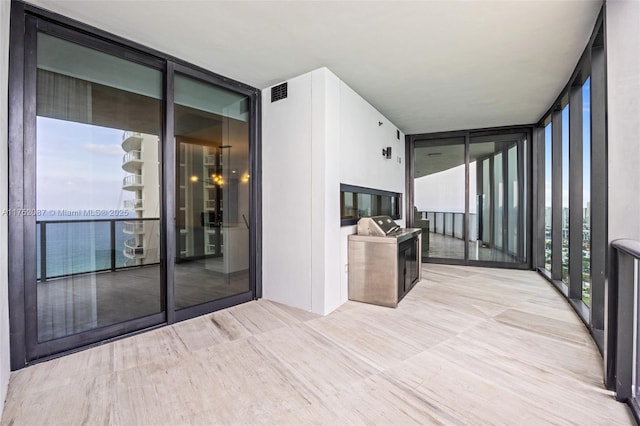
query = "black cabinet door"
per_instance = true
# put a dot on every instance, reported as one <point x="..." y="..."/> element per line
<point x="402" y="269"/>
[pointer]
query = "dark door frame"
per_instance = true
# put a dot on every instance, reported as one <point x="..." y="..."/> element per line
<point x="26" y="22"/>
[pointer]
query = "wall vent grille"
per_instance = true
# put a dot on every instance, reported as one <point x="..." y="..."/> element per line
<point x="279" y="92"/>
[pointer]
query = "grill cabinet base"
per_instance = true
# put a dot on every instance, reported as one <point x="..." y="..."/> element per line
<point x="382" y="270"/>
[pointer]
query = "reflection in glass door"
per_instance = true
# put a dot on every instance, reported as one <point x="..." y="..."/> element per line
<point x="212" y="193"/>
<point x="471" y="210"/>
<point x="97" y="191"/>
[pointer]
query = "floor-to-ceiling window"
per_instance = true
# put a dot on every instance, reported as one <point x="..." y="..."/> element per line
<point x="571" y="147"/>
<point x="586" y="192"/>
<point x="565" y="194"/>
<point x="134" y="192"/>
<point x="548" y="154"/>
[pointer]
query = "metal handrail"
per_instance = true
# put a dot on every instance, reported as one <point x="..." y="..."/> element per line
<point x="622" y="352"/>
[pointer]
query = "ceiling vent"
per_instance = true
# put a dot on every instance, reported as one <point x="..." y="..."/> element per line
<point x="279" y="92"/>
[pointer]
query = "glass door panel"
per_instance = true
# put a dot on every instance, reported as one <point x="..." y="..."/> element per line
<point x="440" y="164"/>
<point x="97" y="189"/>
<point x="496" y="216"/>
<point x="212" y="193"/>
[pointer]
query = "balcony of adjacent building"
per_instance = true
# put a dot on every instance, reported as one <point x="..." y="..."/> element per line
<point x="133" y="248"/>
<point x="134" y="204"/>
<point x="132" y="141"/>
<point x="132" y="182"/>
<point x="132" y="161"/>
<point x="133" y="227"/>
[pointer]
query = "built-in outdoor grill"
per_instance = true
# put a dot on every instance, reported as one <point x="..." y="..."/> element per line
<point x="384" y="261"/>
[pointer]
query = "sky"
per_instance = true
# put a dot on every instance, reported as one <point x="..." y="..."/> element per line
<point x="586" y="152"/>
<point x="79" y="166"/>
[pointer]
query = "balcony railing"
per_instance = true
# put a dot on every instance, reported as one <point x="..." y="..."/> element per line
<point x="134" y="155"/>
<point x="131" y="141"/>
<point x="133" y="204"/>
<point x="133" y="249"/>
<point x="622" y="352"/>
<point x="136" y="227"/>
<point x="64" y="249"/>
<point x="132" y="180"/>
<point x="127" y="135"/>
<point x="451" y="223"/>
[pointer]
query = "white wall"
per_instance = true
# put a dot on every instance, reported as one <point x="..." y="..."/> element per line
<point x="325" y="175"/>
<point x="361" y="162"/>
<point x="322" y="135"/>
<point x="429" y="195"/>
<point x="623" y="92"/>
<point x="4" y="197"/>
<point x="286" y="195"/>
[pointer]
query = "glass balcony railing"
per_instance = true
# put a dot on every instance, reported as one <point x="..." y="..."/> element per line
<point x="63" y="248"/>
<point x="451" y="223"/>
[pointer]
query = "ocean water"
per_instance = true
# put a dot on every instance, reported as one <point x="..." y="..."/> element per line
<point x="77" y="246"/>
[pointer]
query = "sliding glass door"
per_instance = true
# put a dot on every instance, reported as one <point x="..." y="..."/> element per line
<point x="133" y="195"/>
<point x="212" y="192"/>
<point x="470" y="197"/>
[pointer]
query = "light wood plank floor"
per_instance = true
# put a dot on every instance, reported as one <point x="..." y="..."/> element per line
<point x="466" y="346"/>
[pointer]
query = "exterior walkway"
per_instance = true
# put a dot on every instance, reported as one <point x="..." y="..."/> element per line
<point x="466" y="346"/>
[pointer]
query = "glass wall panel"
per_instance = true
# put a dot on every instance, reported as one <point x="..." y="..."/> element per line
<point x="212" y="192"/>
<point x="97" y="189"/>
<point x="438" y="164"/>
<point x="586" y="194"/>
<point x="498" y="200"/>
<point x="548" y="156"/>
<point x="364" y="205"/>
<point x="513" y="198"/>
<point x="565" y="194"/>
<point x="496" y="215"/>
<point x="484" y="203"/>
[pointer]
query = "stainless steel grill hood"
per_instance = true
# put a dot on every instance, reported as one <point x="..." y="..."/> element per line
<point x="379" y="226"/>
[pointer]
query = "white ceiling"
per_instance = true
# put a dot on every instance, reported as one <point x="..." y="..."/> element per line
<point x="427" y="66"/>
